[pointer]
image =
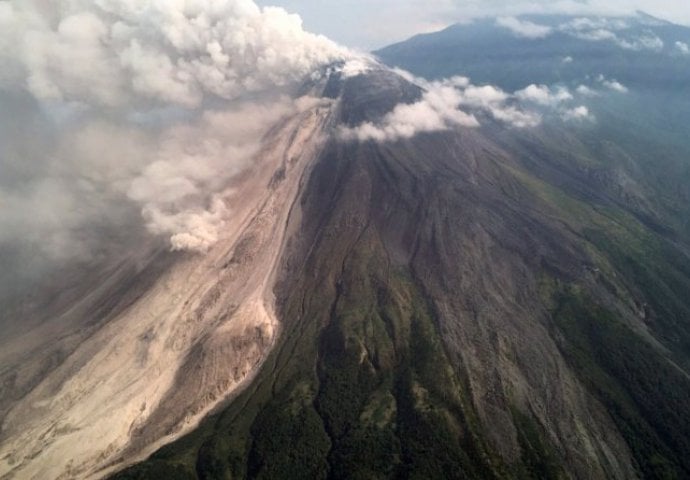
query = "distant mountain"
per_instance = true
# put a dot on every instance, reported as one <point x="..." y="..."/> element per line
<point x="640" y="51"/>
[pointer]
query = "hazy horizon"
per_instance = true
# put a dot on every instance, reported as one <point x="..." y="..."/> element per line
<point x="368" y="25"/>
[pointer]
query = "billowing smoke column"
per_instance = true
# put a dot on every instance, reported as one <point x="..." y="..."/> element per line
<point x="115" y="52"/>
<point x="109" y="107"/>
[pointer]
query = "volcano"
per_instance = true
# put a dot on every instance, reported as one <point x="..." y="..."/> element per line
<point x="464" y="301"/>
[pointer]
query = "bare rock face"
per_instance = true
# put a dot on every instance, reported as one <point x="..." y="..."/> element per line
<point x="196" y="329"/>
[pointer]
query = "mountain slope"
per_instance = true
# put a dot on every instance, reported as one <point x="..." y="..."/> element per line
<point x="135" y="365"/>
<point x="465" y="304"/>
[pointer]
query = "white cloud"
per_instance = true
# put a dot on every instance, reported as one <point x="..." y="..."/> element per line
<point x="567" y="59"/>
<point x="648" y="41"/>
<point x="612" y="84"/>
<point x="495" y="102"/>
<point x="437" y="110"/>
<point x="523" y="28"/>
<point x="557" y="100"/>
<point x="484" y="96"/>
<point x="601" y="83"/>
<point x="586" y="91"/>
<point x="683" y="48"/>
<point x="579" y="113"/>
<point x="455" y="102"/>
<point x="543" y="95"/>
<point x="615" y="85"/>
<point x="584" y="24"/>
<point x="613" y="30"/>
<point x="502" y="106"/>
<point x="598" y="35"/>
<point x="516" y="117"/>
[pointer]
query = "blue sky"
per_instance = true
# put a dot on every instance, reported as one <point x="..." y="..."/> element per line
<point x="368" y="24"/>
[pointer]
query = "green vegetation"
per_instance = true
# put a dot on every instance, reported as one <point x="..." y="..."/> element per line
<point x="538" y="458"/>
<point x="157" y="469"/>
<point x="647" y="397"/>
<point x="662" y="276"/>
<point x="644" y="391"/>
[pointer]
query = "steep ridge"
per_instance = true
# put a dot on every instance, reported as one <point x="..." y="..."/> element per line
<point x="189" y="335"/>
<point x="460" y="305"/>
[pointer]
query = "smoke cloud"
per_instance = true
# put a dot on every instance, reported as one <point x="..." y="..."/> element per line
<point x="115" y="52"/>
<point x="182" y="187"/>
<point x="122" y="117"/>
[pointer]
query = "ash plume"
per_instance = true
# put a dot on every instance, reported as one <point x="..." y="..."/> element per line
<point x="118" y="116"/>
<point x="114" y="52"/>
